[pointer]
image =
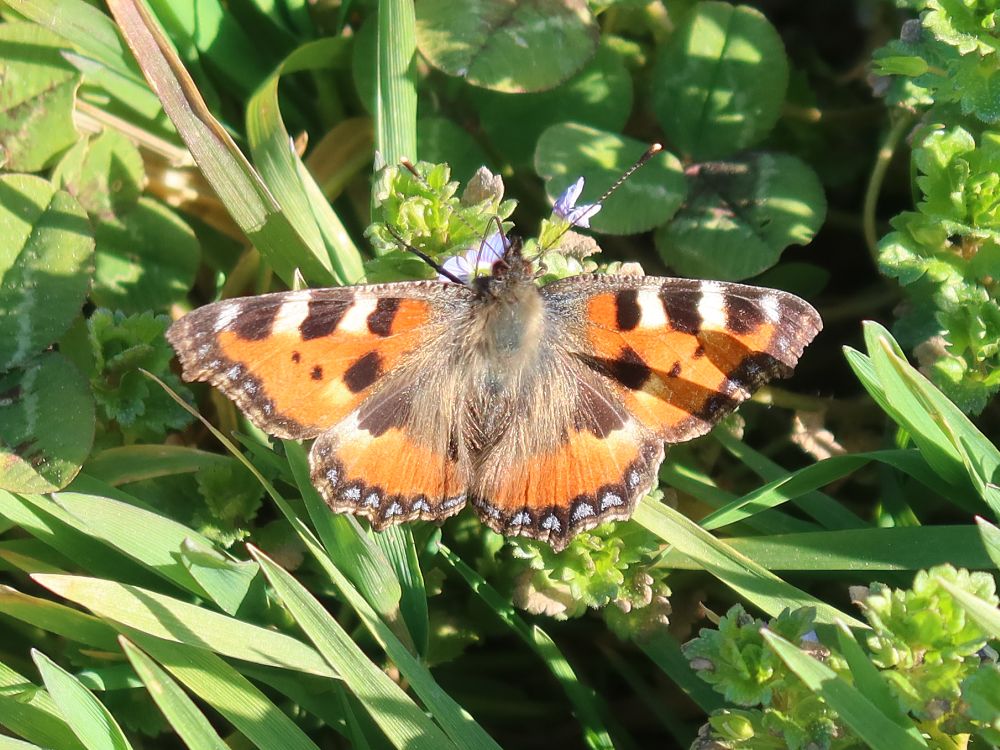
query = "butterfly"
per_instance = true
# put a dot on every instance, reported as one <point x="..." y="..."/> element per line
<point x="544" y="407"/>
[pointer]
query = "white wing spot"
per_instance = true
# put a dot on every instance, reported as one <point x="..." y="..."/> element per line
<point x="712" y="307"/>
<point x="581" y="511"/>
<point x="332" y="475"/>
<point x="394" y="510"/>
<point x="452" y="502"/>
<point x="633" y="479"/>
<point x="551" y="523"/>
<point x="652" y="312"/>
<point x="235" y="372"/>
<point x="293" y="311"/>
<point x="422" y="506"/>
<point x="355" y="320"/>
<point x="521" y="519"/>
<point x="611" y="500"/>
<point x="771" y="307"/>
<point x="228" y="312"/>
<point x="372" y="500"/>
<point x="351" y="493"/>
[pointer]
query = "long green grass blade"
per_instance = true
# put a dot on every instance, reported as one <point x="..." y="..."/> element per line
<point x="900" y="548"/>
<point x="396" y="92"/>
<point x="877" y="730"/>
<point x="286" y="175"/>
<point x="57" y="618"/>
<point x="85" y="715"/>
<point x="455" y="721"/>
<point x="238" y="186"/>
<point x="870" y="683"/>
<point x="586" y="704"/>
<point x="403" y="722"/>
<point x="740" y="573"/>
<point x="171" y="619"/>
<point x="179" y="710"/>
<point x="30" y="712"/>
<point x="244" y="706"/>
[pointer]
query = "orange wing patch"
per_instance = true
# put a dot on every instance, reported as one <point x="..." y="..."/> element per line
<point x="586" y="480"/>
<point x="299" y="362"/>
<point x="685" y="353"/>
<point x="376" y="469"/>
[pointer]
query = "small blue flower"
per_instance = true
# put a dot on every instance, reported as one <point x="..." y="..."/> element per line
<point x="565" y="206"/>
<point x="476" y="261"/>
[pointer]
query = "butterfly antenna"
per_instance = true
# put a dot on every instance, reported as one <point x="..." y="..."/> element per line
<point x="650" y="152"/>
<point x="424" y="257"/>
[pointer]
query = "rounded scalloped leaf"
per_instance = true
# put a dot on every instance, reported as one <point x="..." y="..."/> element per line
<point x="645" y="200"/>
<point x="741" y="215"/>
<point x="719" y="83"/>
<point x="46" y="263"/>
<point x="36" y="98"/>
<point x="600" y="96"/>
<point x="146" y="259"/>
<point x="46" y="425"/>
<point x="507" y="45"/>
<point x="104" y="174"/>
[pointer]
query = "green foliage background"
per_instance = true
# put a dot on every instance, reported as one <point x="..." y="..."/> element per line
<point x="169" y="582"/>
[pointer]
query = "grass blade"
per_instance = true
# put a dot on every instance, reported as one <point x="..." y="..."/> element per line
<point x="740" y="573"/>
<point x="180" y="711"/>
<point x="236" y="183"/>
<point x="877" y="730"/>
<point x="85" y="715"/>
<point x="396" y="92"/>
<point x="29" y="711"/>
<point x="403" y="722"/>
<point x="587" y="706"/>
<point x="172" y="619"/>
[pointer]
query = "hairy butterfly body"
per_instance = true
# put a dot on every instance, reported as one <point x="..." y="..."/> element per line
<point x="546" y="408"/>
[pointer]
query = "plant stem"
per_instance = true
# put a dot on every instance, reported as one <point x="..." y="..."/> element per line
<point x="885" y="153"/>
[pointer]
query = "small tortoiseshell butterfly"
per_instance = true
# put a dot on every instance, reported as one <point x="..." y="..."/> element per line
<point x="546" y="407"/>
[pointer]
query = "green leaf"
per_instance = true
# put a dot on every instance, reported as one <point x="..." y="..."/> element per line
<point x="512" y="46"/>
<point x="740" y="573"/>
<point x="396" y="81"/>
<point x="36" y="100"/>
<point x="146" y="259"/>
<point x="225" y="168"/>
<point x="86" y="716"/>
<point x="870" y="682"/>
<point x="283" y="171"/>
<point x="741" y="216"/>
<point x="228" y="692"/>
<point x="599" y="96"/>
<point x="104" y="55"/>
<point x="46" y="424"/>
<point x="46" y="255"/>
<point x="57" y="618"/>
<point x="29" y="711"/>
<point x="648" y="198"/>
<point x="719" y="83"/>
<point x="106" y="174"/>
<point x="134" y="463"/>
<point x="171" y="619"/>
<point x="983" y="613"/>
<point x="588" y="706"/>
<point x="877" y="730"/>
<point x="990" y="536"/>
<point x="185" y="718"/>
<point x="405" y="725"/>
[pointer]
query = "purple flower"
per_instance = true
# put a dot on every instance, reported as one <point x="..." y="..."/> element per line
<point x="476" y="261"/>
<point x="565" y="206"/>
